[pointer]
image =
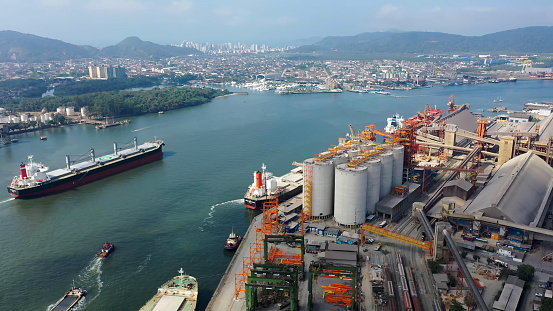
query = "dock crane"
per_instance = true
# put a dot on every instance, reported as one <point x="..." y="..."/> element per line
<point x="451" y="106"/>
<point x="352" y="131"/>
<point x="427" y="245"/>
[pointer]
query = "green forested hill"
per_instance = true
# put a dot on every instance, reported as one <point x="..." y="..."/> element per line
<point x="133" y="47"/>
<point x="523" y="40"/>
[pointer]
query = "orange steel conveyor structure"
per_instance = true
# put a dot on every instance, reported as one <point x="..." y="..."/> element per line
<point x="396" y="236"/>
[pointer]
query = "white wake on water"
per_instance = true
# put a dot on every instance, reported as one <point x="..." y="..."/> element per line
<point x="140" y="129"/>
<point x="90" y="278"/>
<point x="144" y="263"/>
<point x="208" y="221"/>
<point x="7" y="200"/>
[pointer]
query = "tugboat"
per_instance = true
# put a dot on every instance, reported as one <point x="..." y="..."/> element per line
<point x="107" y="248"/>
<point x="233" y="241"/>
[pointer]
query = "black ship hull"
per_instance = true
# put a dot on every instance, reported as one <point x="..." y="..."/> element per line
<point x="257" y="203"/>
<point x="88" y="175"/>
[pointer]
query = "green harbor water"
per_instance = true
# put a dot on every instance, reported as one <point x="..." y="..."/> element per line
<point x="177" y="212"/>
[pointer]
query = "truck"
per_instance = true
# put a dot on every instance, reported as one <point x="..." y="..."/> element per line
<point x="378" y="246"/>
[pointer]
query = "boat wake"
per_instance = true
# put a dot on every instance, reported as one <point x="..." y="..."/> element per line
<point x="208" y="220"/>
<point x="80" y="305"/>
<point x="6" y="201"/>
<point x="140" y="129"/>
<point x="144" y="263"/>
<point x="90" y="279"/>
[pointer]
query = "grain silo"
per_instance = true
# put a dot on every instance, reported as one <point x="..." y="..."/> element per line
<point x="374" y="168"/>
<point x="350" y="198"/>
<point x="321" y="190"/>
<point x="387" y="158"/>
<point x="397" y="175"/>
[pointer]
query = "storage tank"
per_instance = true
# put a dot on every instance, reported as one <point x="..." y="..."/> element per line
<point x="322" y="187"/>
<point x="84" y="111"/>
<point x="397" y="174"/>
<point x="350" y="197"/>
<point x="60" y="110"/>
<point x="387" y="158"/>
<point x="374" y="169"/>
<point x="353" y="153"/>
<point x="24" y="117"/>
<point x="70" y="111"/>
<point x="339" y="160"/>
<point x="367" y="147"/>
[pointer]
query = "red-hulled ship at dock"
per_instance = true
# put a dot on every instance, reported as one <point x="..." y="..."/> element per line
<point x="35" y="179"/>
<point x="266" y="187"/>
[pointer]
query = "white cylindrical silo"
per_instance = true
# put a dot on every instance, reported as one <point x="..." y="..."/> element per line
<point x="353" y="153"/>
<point x="374" y="168"/>
<point x="350" y="198"/>
<point x="387" y="159"/>
<point x="322" y="187"/>
<point x="397" y="175"/>
<point x="339" y="160"/>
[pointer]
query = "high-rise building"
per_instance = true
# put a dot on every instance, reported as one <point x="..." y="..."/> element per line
<point x="103" y="72"/>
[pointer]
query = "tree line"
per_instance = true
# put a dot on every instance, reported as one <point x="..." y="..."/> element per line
<point x="119" y="103"/>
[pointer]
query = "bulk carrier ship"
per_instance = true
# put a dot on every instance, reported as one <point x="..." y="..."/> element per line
<point x="35" y="179"/>
<point x="266" y="187"/>
<point x="178" y="294"/>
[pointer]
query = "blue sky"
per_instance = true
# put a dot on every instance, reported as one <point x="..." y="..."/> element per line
<point x="107" y="22"/>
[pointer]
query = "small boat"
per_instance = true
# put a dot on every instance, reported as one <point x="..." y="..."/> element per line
<point x="107" y="248"/>
<point x="382" y="92"/>
<point x="498" y="100"/>
<point x="160" y="112"/>
<point x="233" y="241"/>
<point x="43" y="138"/>
<point x="14" y="140"/>
<point x="69" y="300"/>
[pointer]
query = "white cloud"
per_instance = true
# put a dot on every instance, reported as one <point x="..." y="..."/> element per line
<point x="182" y="6"/>
<point x="388" y="10"/>
<point x="56" y="3"/>
<point x="116" y="5"/>
<point x="479" y="9"/>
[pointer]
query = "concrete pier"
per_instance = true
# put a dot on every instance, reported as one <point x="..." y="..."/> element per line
<point x="223" y="298"/>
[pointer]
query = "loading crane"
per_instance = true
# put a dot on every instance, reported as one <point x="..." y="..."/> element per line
<point x="396" y="236"/>
<point x="451" y="106"/>
<point x="352" y="131"/>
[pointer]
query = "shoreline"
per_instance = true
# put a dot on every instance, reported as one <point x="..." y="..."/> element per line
<point x="233" y="93"/>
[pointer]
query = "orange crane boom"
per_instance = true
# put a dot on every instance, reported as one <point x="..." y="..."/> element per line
<point x="396" y="236"/>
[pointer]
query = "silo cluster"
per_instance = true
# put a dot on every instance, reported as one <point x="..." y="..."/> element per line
<point x="335" y="187"/>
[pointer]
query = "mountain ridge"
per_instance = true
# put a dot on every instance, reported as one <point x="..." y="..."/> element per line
<point x="533" y="39"/>
<point x="16" y="46"/>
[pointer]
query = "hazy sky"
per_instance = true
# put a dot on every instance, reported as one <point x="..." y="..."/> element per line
<point x="107" y="22"/>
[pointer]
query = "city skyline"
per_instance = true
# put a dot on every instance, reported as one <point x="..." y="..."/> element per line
<point x="272" y="23"/>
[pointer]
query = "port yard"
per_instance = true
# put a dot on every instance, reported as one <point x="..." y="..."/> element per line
<point x="338" y="261"/>
<point x="213" y="230"/>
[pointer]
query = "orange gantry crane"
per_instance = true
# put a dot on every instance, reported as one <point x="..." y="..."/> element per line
<point x="396" y="236"/>
<point x="269" y="225"/>
<point x="451" y="106"/>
